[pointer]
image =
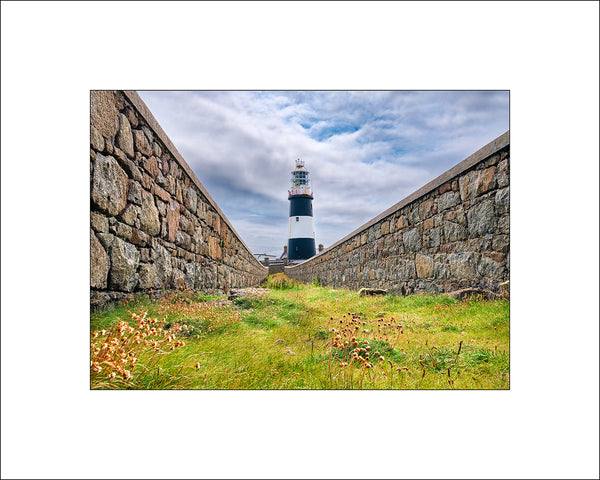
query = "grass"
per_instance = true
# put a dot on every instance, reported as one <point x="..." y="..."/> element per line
<point x="301" y="337"/>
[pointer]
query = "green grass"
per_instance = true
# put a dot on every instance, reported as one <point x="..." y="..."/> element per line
<point x="284" y="341"/>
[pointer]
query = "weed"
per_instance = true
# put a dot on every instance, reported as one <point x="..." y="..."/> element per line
<point x="261" y="321"/>
<point x="450" y="328"/>
<point x="247" y="303"/>
<point x="479" y="355"/>
<point x="321" y="335"/>
<point x="280" y="281"/>
<point x="441" y="358"/>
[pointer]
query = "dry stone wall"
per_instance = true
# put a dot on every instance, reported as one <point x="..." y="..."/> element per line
<point x="451" y="234"/>
<point x="154" y="227"/>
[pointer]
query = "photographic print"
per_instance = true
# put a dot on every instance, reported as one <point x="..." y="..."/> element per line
<point x="299" y="240"/>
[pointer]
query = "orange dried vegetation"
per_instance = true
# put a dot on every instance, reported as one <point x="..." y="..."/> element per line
<point x="114" y="353"/>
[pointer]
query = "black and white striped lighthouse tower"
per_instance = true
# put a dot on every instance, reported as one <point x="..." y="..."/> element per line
<point x="301" y="240"/>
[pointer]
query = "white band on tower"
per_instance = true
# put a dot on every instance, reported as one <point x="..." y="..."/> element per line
<point x="301" y="227"/>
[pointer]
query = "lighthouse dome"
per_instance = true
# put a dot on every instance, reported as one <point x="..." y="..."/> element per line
<point x="300" y="181"/>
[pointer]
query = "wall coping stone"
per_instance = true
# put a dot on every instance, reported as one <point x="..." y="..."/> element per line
<point x="145" y="112"/>
<point x="484" y="152"/>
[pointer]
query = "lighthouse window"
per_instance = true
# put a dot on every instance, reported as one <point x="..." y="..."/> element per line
<point x="297" y="219"/>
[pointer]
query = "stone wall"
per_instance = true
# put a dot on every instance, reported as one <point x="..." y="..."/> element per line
<point x="154" y="227"/>
<point x="276" y="269"/>
<point x="452" y="233"/>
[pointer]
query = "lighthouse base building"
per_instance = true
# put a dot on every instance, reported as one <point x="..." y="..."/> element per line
<point x="301" y="239"/>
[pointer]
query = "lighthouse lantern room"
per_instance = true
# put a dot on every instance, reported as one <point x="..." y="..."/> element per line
<point x="301" y="240"/>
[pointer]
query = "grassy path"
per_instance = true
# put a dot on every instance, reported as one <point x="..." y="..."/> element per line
<point x="302" y="337"/>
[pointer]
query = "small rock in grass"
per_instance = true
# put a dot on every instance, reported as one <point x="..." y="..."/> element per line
<point x="371" y="291"/>
<point x="279" y="342"/>
<point x="505" y="290"/>
<point x="289" y="352"/>
<point x="465" y="293"/>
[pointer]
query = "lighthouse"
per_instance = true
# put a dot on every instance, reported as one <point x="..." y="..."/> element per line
<point x="301" y="239"/>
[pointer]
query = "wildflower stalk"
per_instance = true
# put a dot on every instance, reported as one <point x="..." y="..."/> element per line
<point x="423" y="375"/>
<point x="329" y="366"/>
<point x="363" y="375"/>
<point x="458" y="353"/>
<point x="421" y="381"/>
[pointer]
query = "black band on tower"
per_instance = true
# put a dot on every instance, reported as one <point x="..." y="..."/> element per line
<point x="301" y="206"/>
<point x="301" y="248"/>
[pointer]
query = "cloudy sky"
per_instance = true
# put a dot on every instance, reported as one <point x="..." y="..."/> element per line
<point x="365" y="150"/>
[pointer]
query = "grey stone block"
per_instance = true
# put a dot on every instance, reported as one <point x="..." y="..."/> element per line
<point x="481" y="218"/>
